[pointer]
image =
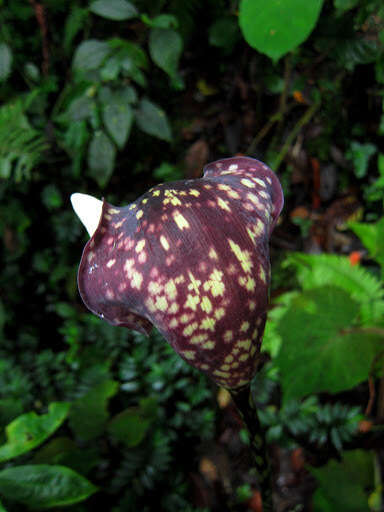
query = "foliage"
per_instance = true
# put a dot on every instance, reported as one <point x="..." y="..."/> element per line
<point x="119" y="95"/>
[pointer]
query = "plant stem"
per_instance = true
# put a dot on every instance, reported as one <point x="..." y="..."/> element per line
<point x="246" y="406"/>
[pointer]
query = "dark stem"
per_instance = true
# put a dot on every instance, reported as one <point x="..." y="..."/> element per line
<point x="246" y="406"/>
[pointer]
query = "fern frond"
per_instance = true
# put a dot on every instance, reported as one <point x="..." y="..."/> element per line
<point x="21" y="146"/>
<point x="330" y="269"/>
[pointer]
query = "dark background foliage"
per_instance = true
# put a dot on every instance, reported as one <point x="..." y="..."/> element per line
<point x="111" y="102"/>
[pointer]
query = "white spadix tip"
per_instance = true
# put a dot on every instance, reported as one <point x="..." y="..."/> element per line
<point x="88" y="209"/>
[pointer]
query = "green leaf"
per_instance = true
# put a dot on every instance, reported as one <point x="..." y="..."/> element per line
<point x="101" y="158"/>
<point x="276" y="27"/>
<point x="360" y="155"/>
<point x="321" y="351"/>
<point x="118" y="10"/>
<point x="118" y="118"/>
<point x="73" y="24"/>
<point x="30" y="430"/>
<point x="90" y="55"/>
<point x="372" y="236"/>
<point x="342" y="485"/>
<point x="89" y="413"/>
<point x="330" y="269"/>
<point x="345" y="5"/>
<point x="5" y="61"/>
<point x="152" y="119"/>
<point x="43" y="486"/>
<point x="129" y="427"/>
<point x="165" y="47"/>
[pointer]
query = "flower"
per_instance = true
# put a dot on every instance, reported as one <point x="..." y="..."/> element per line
<point x="190" y="257"/>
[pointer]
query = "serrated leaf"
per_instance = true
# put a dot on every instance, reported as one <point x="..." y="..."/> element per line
<point x="117" y="10"/>
<point x="30" y="430"/>
<point x="330" y="269"/>
<point x="90" y="55"/>
<point x="372" y="236"/>
<point x="89" y="413"/>
<point x="165" y="47"/>
<point x="44" y="486"/>
<point x="276" y="27"/>
<point x="320" y="350"/>
<point x="101" y="158"/>
<point x="5" y="61"/>
<point x="342" y="485"/>
<point x="118" y="118"/>
<point x="153" y="120"/>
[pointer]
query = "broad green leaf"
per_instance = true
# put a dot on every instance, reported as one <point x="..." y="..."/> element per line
<point x="118" y="118"/>
<point x="90" y="55"/>
<point x="161" y="21"/>
<point x="152" y="119"/>
<point x="73" y="24"/>
<point x="101" y="157"/>
<point x="5" y="61"/>
<point x="118" y="10"/>
<point x="330" y="269"/>
<point x="276" y="27"/>
<point x="372" y="236"/>
<point x="89" y="413"/>
<point x="2" y="508"/>
<point x="343" y="485"/>
<point x="44" y="486"/>
<point x="321" y="350"/>
<point x="30" y="430"/>
<point x="129" y="427"/>
<point x="165" y="47"/>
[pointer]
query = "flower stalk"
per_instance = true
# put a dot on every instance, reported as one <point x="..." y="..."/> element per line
<point x="246" y="406"/>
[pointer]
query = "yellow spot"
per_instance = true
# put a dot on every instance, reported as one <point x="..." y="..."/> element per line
<point x="137" y="279"/>
<point x="247" y="183"/>
<point x="194" y="283"/>
<point x="154" y="288"/>
<point x="190" y="329"/>
<point x="244" y="257"/>
<point x="161" y="303"/>
<point x="235" y="365"/>
<point x="262" y="275"/>
<point x="255" y="333"/>
<point x="170" y="289"/>
<point x="228" y="336"/>
<point x="219" y="373"/>
<point x="252" y="305"/>
<point x="184" y="319"/>
<point x="128" y="265"/>
<point x="208" y="324"/>
<point x="174" y="308"/>
<point x="111" y="263"/>
<point x="243" y="357"/>
<point x="219" y="313"/>
<point x="194" y="192"/>
<point x="173" y="323"/>
<point x="245" y="344"/>
<point x="228" y="359"/>
<point x="192" y="301"/>
<point x="260" y="182"/>
<point x="139" y="214"/>
<point x="255" y="200"/>
<point x="233" y="194"/>
<point x="150" y="305"/>
<point x="179" y="279"/>
<point x="223" y="204"/>
<point x="213" y="254"/>
<point x="264" y="195"/>
<point x="253" y="350"/>
<point x="244" y="327"/>
<point x="112" y="211"/>
<point x="248" y="282"/>
<point x="225" y="367"/>
<point x="164" y="242"/>
<point x="204" y="367"/>
<point x="206" y="305"/>
<point x="198" y="338"/>
<point x="223" y="186"/>
<point x="156" y="193"/>
<point x="188" y="354"/>
<point x="140" y="246"/>
<point x="145" y="201"/>
<point x="209" y="345"/>
<point x="180" y="221"/>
